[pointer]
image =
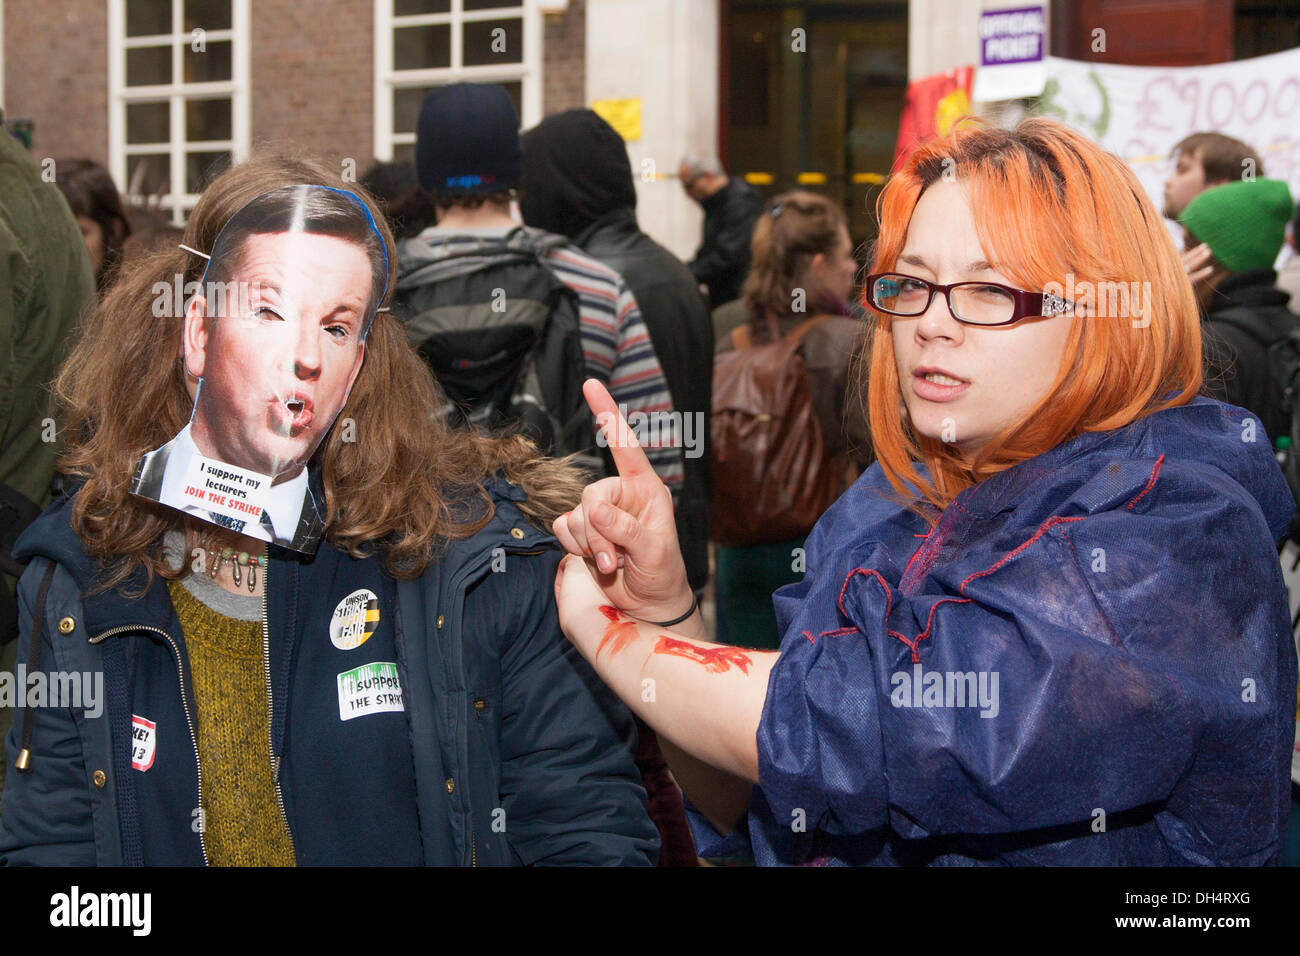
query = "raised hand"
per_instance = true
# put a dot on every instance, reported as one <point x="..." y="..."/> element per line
<point x="1196" y="262"/>
<point x="624" y="527"/>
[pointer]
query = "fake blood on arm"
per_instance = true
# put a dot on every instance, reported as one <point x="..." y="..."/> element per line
<point x="716" y="660"/>
<point x="619" y="633"/>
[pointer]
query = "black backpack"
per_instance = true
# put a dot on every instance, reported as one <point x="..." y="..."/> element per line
<point x="503" y="338"/>
<point x="1283" y="349"/>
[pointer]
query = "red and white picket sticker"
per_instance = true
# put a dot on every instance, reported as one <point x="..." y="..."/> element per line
<point x="144" y="735"/>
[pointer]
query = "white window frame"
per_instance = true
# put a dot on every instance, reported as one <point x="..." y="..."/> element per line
<point x="177" y="199"/>
<point x="528" y="72"/>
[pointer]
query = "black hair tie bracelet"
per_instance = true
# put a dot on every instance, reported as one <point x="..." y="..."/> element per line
<point x="695" y="603"/>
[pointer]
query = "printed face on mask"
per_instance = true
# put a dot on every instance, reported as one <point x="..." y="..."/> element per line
<point x="960" y="383"/>
<point x="278" y="366"/>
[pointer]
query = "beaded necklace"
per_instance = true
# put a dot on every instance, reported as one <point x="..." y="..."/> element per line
<point x="237" y="559"/>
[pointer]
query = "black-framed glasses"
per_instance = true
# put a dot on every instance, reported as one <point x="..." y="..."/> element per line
<point x="973" y="303"/>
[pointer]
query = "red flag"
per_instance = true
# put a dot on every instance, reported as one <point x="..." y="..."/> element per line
<point x="933" y="105"/>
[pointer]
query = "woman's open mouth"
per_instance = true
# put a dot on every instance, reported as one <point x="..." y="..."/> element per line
<point x="936" y="385"/>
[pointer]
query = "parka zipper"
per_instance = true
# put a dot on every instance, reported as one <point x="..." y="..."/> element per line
<point x="189" y="720"/>
<point x="270" y="708"/>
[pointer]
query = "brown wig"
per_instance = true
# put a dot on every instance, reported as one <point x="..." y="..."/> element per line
<point x="794" y="227"/>
<point x="403" y="487"/>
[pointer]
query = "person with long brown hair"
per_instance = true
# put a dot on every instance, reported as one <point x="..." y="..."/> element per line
<point x="401" y="696"/>
<point x="1049" y="625"/>
<point x="799" y="284"/>
<point x="101" y="216"/>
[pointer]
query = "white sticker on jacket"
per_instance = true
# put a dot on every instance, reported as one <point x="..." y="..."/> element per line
<point x="354" y="620"/>
<point x="370" y="689"/>
<point x="144" y="736"/>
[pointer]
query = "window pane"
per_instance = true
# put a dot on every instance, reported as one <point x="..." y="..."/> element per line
<point x="208" y="119"/>
<point x="148" y="175"/>
<point x="406" y="8"/>
<point x="406" y="107"/>
<point x="148" y="17"/>
<point x="212" y="65"/>
<point x="418" y="48"/>
<point x="148" y="123"/>
<point x="202" y="168"/>
<point x="148" y="65"/>
<point x="516" y="91"/>
<point x="408" y="100"/>
<point x="404" y="153"/>
<point x="207" y="14"/>
<point x="490" y="4"/>
<point x="493" y="41"/>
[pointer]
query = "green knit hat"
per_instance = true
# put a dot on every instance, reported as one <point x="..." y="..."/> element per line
<point x="1243" y="223"/>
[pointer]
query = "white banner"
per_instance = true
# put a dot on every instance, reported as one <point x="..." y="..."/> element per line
<point x="1140" y="112"/>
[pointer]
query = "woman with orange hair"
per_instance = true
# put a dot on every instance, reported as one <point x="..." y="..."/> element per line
<point x="1049" y="625"/>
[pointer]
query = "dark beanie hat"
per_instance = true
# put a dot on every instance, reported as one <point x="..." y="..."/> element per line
<point x="467" y="141"/>
<point x="575" y="171"/>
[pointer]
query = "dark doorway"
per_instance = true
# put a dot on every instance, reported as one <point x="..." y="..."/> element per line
<point x="812" y="92"/>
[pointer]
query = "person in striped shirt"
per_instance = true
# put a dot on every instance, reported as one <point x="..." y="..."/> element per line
<point x="468" y="156"/>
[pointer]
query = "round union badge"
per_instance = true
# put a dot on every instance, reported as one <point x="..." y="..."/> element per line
<point x="354" y="620"/>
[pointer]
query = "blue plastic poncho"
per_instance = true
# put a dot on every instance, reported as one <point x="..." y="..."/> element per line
<point x="1087" y="661"/>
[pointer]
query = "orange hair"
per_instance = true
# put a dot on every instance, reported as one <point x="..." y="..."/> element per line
<point x="1047" y="203"/>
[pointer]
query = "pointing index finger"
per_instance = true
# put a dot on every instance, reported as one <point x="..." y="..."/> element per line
<point x="629" y="457"/>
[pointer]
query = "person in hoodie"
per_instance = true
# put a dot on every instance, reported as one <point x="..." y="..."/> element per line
<point x="399" y="695"/>
<point x="468" y="156"/>
<point x="1243" y="311"/>
<point x="1049" y="625"/>
<point x="577" y="182"/>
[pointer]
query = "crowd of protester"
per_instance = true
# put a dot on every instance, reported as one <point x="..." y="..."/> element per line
<point x="519" y="446"/>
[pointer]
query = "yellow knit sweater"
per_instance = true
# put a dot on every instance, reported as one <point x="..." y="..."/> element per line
<point x="243" y="825"/>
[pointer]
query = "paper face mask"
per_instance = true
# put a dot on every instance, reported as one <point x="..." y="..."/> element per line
<point x="276" y="338"/>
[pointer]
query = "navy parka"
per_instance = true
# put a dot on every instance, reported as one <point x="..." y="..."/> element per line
<point x="513" y="751"/>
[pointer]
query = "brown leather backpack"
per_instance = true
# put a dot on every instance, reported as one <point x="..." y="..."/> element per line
<point x="772" y="476"/>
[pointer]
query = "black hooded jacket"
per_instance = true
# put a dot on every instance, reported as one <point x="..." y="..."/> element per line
<point x="577" y="181"/>
<point x="1236" y="352"/>
<point x="722" y="261"/>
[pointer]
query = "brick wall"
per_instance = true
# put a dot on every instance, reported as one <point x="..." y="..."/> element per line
<point x="564" y="64"/>
<point x="312" y="74"/>
<point x="56" y="74"/>
<point x="313" y="78"/>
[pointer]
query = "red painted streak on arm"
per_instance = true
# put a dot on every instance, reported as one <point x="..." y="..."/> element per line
<point x="619" y="633"/>
<point x="716" y="660"/>
<point x="617" y="637"/>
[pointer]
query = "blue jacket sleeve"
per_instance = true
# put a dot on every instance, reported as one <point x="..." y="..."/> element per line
<point x="1132" y="656"/>
<point x="47" y="814"/>
<point x="570" y="789"/>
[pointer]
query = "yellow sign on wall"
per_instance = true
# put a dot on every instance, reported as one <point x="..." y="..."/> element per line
<point x="622" y="114"/>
